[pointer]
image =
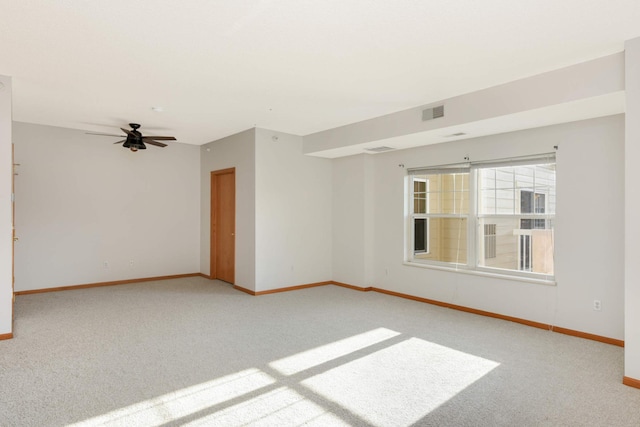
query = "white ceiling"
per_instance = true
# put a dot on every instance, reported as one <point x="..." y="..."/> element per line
<point x="218" y="67"/>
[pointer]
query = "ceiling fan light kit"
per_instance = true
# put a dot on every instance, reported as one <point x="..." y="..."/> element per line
<point x="135" y="140"/>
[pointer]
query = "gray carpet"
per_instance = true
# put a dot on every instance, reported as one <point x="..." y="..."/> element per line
<point x="196" y="352"/>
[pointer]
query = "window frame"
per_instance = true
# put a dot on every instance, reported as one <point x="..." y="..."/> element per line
<point x="412" y="216"/>
<point x="420" y="216"/>
<point x="475" y="236"/>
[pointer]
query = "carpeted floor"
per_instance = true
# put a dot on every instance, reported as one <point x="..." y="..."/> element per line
<point x="196" y="352"/>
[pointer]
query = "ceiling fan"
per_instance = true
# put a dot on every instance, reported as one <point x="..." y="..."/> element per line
<point x="135" y="140"/>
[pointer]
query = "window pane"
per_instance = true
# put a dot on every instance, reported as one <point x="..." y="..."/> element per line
<point x="519" y="244"/>
<point x="447" y="240"/>
<point x="504" y="177"/>
<point x="488" y="179"/>
<point x="419" y="194"/>
<point x="526" y="201"/>
<point x="448" y="193"/>
<point x="511" y="190"/>
<point x="524" y="177"/>
<point x="487" y="201"/>
<point x="505" y="202"/>
<point x="420" y="242"/>
<point x="546" y="184"/>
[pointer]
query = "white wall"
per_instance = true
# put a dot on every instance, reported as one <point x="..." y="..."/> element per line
<point x="293" y="213"/>
<point x="594" y="80"/>
<point x="353" y="219"/>
<point x="233" y="151"/>
<point x="589" y="242"/>
<point x="81" y="201"/>
<point x="5" y="206"/>
<point x="632" y="213"/>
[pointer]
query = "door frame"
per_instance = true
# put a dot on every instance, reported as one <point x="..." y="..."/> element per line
<point x="213" y="238"/>
<point x="14" y="239"/>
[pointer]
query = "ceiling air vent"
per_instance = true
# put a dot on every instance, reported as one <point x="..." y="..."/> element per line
<point x="379" y="149"/>
<point x="433" y="113"/>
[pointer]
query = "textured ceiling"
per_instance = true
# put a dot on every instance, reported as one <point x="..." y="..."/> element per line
<point x="218" y="67"/>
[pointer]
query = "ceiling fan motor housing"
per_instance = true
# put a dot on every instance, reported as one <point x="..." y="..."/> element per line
<point x="134" y="139"/>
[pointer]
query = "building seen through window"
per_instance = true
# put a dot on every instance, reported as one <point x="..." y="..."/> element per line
<point x="496" y="218"/>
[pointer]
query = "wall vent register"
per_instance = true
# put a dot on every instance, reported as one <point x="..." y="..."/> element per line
<point x="433" y="113"/>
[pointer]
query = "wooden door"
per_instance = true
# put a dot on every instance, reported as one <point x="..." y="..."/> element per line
<point x="223" y="224"/>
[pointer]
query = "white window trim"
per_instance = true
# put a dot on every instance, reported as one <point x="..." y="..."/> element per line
<point x="472" y="266"/>
<point x="482" y="271"/>
<point x="414" y="216"/>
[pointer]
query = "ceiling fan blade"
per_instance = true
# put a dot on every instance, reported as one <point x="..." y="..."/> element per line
<point x="128" y="132"/>
<point x="103" y="134"/>
<point x="160" y="138"/>
<point x="156" y="143"/>
<point x="120" y="142"/>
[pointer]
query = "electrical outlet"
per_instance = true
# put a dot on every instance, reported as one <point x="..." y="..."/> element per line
<point x="106" y="264"/>
<point x="131" y="263"/>
<point x="597" y="305"/>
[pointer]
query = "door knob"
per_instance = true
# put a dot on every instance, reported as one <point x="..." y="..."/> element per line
<point x="15" y="239"/>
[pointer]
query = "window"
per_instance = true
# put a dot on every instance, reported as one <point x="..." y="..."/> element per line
<point x="420" y="222"/>
<point x="440" y="210"/>
<point x="496" y="216"/>
<point x="520" y="200"/>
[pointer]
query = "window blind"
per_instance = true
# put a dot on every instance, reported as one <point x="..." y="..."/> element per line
<point x="537" y="159"/>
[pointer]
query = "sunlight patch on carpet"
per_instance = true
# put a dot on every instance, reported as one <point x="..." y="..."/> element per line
<point x="396" y="385"/>
<point x="402" y="383"/>
<point x="184" y="402"/>
<point x="308" y="359"/>
<point x="279" y="407"/>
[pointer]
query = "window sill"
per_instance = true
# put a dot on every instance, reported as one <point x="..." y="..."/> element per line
<point x="482" y="273"/>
